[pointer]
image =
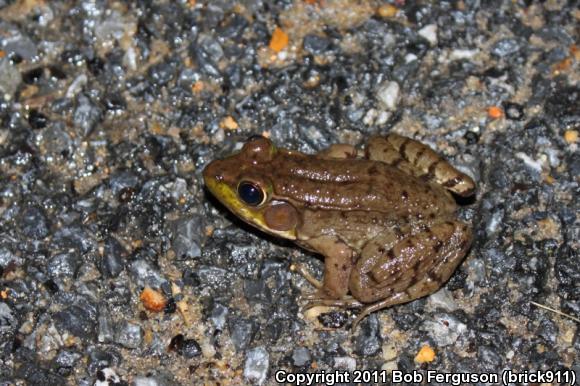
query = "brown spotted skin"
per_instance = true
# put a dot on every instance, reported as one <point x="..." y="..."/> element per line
<point x="382" y="217"/>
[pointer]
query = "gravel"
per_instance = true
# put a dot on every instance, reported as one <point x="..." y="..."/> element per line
<point x="109" y="114"/>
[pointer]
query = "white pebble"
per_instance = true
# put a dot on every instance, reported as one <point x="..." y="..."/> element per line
<point x="388" y="94"/>
<point x="429" y="32"/>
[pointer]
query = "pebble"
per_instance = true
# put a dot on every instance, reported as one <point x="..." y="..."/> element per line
<point x="64" y="264"/>
<point x="34" y="223"/>
<point x="78" y="320"/>
<point x="145" y="381"/>
<point x="128" y="335"/>
<point x="444" y="329"/>
<point x="113" y="259"/>
<point x="145" y="275"/>
<point x="188" y="233"/>
<point x="8" y="322"/>
<point x="388" y="95"/>
<point x="301" y="356"/>
<point x="315" y="44"/>
<point x="505" y="47"/>
<point x="429" y="32"/>
<point x="6" y="257"/>
<point x="10" y="79"/>
<point x="345" y="363"/>
<point x="368" y="341"/>
<point x="442" y="299"/>
<point x="218" y="316"/>
<point x="66" y="360"/>
<point x="256" y="365"/>
<point x="241" y="332"/>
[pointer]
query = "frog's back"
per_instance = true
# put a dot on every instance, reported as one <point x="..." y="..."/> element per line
<point x="354" y="184"/>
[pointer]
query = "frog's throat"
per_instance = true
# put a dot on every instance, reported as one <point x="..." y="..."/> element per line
<point x="254" y="217"/>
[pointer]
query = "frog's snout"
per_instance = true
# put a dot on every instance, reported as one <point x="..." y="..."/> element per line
<point x="211" y="173"/>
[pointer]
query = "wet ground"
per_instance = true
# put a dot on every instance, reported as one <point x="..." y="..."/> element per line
<point x="116" y="267"/>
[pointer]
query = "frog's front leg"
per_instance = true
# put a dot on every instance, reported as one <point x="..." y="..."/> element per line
<point x="387" y="274"/>
<point x="338" y="263"/>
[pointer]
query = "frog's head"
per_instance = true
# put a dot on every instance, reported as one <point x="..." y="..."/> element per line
<point x="243" y="184"/>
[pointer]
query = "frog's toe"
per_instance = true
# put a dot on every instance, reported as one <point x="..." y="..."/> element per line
<point x="302" y="270"/>
<point x="314" y="300"/>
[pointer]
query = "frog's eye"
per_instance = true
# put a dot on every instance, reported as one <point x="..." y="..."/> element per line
<point x="251" y="193"/>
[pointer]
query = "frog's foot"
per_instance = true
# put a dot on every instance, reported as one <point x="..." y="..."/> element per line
<point x="302" y="270"/>
<point x="316" y="299"/>
<point x="418" y="159"/>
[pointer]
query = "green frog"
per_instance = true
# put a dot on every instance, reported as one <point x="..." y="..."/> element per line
<point x="382" y="216"/>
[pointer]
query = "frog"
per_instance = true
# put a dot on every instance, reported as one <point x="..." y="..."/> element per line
<point x="382" y="215"/>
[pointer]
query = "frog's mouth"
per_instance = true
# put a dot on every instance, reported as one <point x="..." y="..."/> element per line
<point x="253" y="216"/>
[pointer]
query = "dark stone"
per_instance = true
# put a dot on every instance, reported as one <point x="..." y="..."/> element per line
<point x="65" y="362"/>
<point x="506" y="47"/>
<point x="37" y="376"/>
<point x="188" y="234"/>
<point x="241" y="332"/>
<point x="73" y="237"/>
<point x="315" y="44"/>
<point x="334" y="319"/>
<point x="8" y="322"/>
<point x="190" y="348"/>
<point x="51" y="286"/>
<point x="128" y="335"/>
<point x="113" y="259"/>
<point x="100" y="358"/>
<point x="471" y="137"/>
<point x="121" y="180"/>
<point x="32" y="76"/>
<point x="86" y="115"/>
<point x="564" y="103"/>
<point x="514" y="111"/>
<point x="115" y="102"/>
<point x="36" y="119"/>
<point x="162" y="73"/>
<point x="64" y="264"/>
<point x="368" y="342"/>
<point x="170" y="306"/>
<point x="489" y="358"/>
<point x="78" y="321"/>
<point x="256" y="291"/>
<point x="33" y="223"/>
<point x="232" y="27"/>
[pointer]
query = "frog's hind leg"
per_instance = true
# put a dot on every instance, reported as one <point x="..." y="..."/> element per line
<point x="420" y="160"/>
<point x="412" y="268"/>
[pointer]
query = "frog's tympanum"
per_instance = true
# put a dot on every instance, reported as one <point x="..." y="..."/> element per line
<point x="382" y="217"/>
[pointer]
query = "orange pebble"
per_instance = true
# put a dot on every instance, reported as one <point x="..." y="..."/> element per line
<point x="152" y="300"/>
<point x="571" y="136"/>
<point x="426" y="354"/>
<point x="229" y="123"/>
<point x="495" y="112"/>
<point x="279" y="40"/>
<point x="387" y="10"/>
